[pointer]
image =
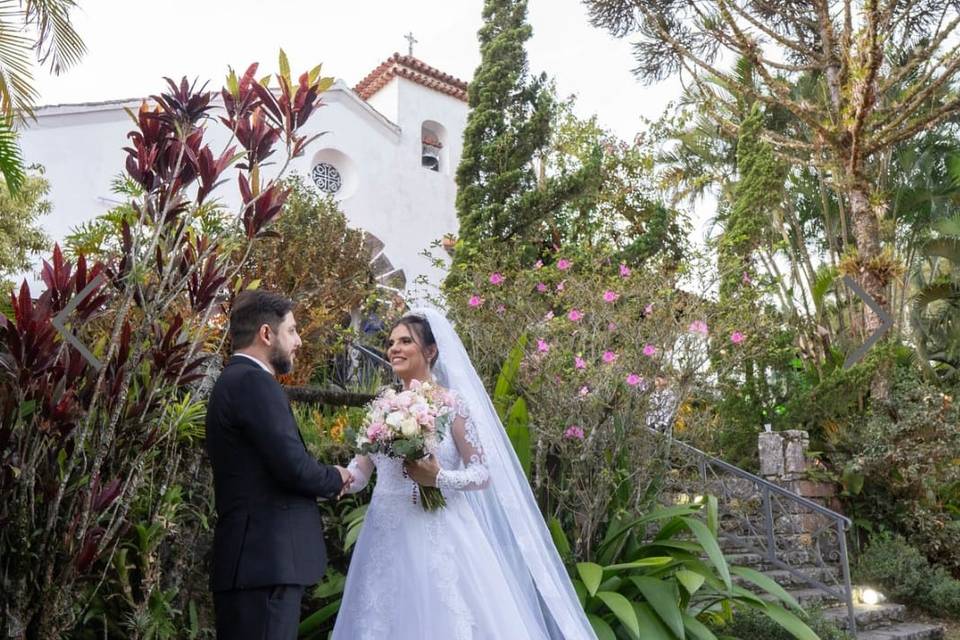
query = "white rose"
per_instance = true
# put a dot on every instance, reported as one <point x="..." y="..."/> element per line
<point x="394" y="419"/>
<point x="409" y="427"/>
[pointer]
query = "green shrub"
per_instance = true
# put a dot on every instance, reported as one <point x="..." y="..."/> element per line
<point x="904" y="574"/>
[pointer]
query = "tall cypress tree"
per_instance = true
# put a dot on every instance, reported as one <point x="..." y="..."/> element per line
<point x="509" y="123"/>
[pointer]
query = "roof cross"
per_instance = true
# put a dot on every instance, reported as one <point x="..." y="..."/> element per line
<point x="410" y="41"/>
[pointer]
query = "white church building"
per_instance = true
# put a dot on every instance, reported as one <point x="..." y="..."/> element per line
<point x="389" y="154"/>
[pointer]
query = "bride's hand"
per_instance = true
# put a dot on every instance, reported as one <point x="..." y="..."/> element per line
<point x="424" y="471"/>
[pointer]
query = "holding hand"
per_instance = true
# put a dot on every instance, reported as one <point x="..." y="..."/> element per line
<point x="424" y="471"/>
<point x="346" y="478"/>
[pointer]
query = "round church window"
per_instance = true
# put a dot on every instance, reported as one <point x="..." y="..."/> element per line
<point x="326" y="177"/>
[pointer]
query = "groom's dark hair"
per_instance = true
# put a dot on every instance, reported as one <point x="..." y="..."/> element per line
<point x="421" y="330"/>
<point x="251" y="310"/>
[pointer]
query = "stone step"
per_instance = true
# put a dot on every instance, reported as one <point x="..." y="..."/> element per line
<point x="807" y="597"/>
<point x="869" y="616"/>
<point x="904" y="631"/>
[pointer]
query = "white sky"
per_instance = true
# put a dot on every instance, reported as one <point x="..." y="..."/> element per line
<point x="131" y="47"/>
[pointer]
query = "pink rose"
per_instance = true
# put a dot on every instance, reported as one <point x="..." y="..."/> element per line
<point x="573" y="432"/>
<point x="579" y="362"/>
<point x="496" y="278"/>
<point x="542" y="288"/>
<point x="649" y="350"/>
<point x="610" y="296"/>
<point x="561" y="285"/>
<point x="736" y="337"/>
<point x="584" y="391"/>
<point x="624" y="271"/>
<point x="563" y="264"/>
<point x="542" y="346"/>
<point x="609" y="357"/>
<point x="475" y="301"/>
<point x="633" y="379"/>
<point x="575" y="315"/>
<point x="538" y="264"/>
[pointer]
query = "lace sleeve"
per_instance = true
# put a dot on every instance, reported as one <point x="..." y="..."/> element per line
<point x="474" y="474"/>
<point x="361" y="467"/>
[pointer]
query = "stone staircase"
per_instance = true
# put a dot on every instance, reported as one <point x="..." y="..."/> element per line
<point x="884" y="621"/>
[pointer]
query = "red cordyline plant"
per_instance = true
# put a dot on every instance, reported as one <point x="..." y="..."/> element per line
<point x="82" y="446"/>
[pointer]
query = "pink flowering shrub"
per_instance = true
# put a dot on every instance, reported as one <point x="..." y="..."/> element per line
<point x="599" y="334"/>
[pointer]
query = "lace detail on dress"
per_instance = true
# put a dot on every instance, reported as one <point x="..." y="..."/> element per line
<point x="470" y="471"/>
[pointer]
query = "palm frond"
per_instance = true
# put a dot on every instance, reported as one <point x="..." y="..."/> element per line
<point x="11" y="161"/>
<point x="57" y="41"/>
<point x="17" y="93"/>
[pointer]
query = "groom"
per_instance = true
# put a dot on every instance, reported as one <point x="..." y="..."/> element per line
<point x="268" y="543"/>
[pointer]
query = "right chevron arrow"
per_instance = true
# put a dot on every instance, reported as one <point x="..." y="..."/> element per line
<point x="886" y="322"/>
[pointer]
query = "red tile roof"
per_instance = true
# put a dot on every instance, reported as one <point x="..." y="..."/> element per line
<point x="412" y="69"/>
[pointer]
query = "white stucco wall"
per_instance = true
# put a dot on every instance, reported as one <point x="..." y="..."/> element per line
<point x="387" y="192"/>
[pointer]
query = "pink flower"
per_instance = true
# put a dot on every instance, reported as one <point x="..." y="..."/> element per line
<point x="624" y="271"/>
<point x="633" y="379"/>
<point x="542" y="288"/>
<point x="612" y="326"/>
<point x="584" y="391"/>
<point x="647" y="310"/>
<point x="610" y="296"/>
<point x="746" y="278"/>
<point x="376" y="431"/>
<point x="548" y="316"/>
<point x="563" y="264"/>
<point x="698" y="326"/>
<point x="501" y="309"/>
<point x="542" y="345"/>
<point x="475" y="301"/>
<point x="736" y="337"/>
<point x="573" y="432"/>
<point x="649" y="350"/>
<point x="579" y="362"/>
<point x="561" y="285"/>
<point x="609" y="357"/>
<point x="575" y="315"/>
<point x="496" y="278"/>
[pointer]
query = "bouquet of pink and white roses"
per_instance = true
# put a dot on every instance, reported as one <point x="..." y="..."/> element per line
<point x="409" y="424"/>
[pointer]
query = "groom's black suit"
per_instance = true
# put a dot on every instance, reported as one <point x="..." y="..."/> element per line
<point x="268" y="542"/>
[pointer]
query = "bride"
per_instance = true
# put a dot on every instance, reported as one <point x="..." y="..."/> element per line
<point x="484" y="567"/>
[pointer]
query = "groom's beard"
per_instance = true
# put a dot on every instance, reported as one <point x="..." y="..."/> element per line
<point x="281" y="361"/>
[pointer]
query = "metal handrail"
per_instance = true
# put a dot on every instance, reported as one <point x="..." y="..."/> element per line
<point x="765" y="489"/>
<point x="746" y="475"/>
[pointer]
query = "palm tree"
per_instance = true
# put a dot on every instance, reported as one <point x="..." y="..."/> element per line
<point x="29" y="29"/>
<point x="935" y="313"/>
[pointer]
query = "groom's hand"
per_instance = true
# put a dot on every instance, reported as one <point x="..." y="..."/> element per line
<point x="346" y="478"/>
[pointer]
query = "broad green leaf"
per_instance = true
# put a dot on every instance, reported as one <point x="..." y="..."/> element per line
<point x="591" y="574"/>
<point x="650" y="625"/>
<point x="559" y="538"/>
<point x="324" y="83"/>
<point x="766" y="583"/>
<point x="713" y="515"/>
<point x="663" y="599"/>
<point x="691" y="580"/>
<point x="284" y="65"/>
<point x="312" y="622"/>
<point x="621" y="608"/>
<point x="711" y="547"/>
<point x="353" y="532"/>
<point x="696" y="629"/>
<point x="653" y="561"/>
<point x="788" y="621"/>
<point x="581" y="590"/>
<point x="518" y="430"/>
<point x="600" y="627"/>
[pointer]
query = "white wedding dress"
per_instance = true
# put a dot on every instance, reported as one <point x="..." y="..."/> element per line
<point x="481" y="568"/>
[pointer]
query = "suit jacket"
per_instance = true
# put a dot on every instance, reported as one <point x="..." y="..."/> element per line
<point x="268" y="529"/>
